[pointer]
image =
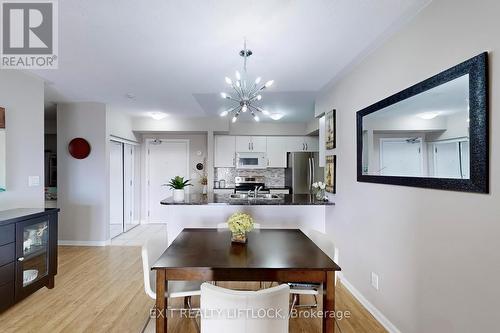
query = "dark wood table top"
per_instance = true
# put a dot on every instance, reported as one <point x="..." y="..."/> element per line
<point x="265" y="249"/>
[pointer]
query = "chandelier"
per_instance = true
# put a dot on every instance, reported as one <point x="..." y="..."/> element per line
<point x="246" y="94"/>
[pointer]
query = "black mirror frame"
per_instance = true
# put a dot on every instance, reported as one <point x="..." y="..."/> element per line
<point x="477" y="68"/>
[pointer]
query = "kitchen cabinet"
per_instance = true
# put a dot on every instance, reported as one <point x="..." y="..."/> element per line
<point x="303" y="143"/>
<point x="28" y="253"/>
<point x="224" y="151"/>
<point x="277" y="150"/>
<point x="245" y="144"/>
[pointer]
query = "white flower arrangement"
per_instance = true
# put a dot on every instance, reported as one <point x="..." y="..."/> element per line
<point x="240" y="223"/>
<point x="319" y="185"/>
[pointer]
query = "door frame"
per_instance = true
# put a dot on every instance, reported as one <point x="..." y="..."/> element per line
<point x="148" y="143"/>
<point x="420" y="140"/>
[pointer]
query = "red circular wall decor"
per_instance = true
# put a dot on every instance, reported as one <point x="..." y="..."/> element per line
<point x="79" y="148"/>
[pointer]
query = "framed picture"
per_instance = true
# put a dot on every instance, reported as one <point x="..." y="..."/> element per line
<point x="330" y="124"/>
<point x="331" y="174"/>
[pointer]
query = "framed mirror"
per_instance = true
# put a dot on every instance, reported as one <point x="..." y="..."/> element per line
<point x="2" y="150"/>
<point x="433" y="134"/>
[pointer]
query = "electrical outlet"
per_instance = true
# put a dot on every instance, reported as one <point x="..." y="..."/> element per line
<point x="33" y="181"/>
<point x="375" y="281"/>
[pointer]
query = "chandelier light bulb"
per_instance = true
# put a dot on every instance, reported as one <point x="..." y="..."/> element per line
<point x="223" y="95"/>
<point x="244" y="108"/>
<point x="259" y="97"/>
<point x="269" y="83"/>
<point x="265" y="112"/>
<point x="238" y="75"/>
<point x="234" y="119"/>
<point x="224" y="113"/>
<point x="255" y="117"/>
<point x="238" y="84"/>
<point x="228" y="80"/>
<point x="257" y="80"/>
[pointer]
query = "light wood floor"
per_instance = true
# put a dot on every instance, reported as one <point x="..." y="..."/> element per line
<point x="100" y="289"/>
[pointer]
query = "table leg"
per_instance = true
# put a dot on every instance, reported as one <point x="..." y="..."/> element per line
<point x="329" y="302"/>
<point x="161" y="301"/>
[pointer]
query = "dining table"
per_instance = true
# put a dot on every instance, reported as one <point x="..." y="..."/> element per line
<point x="283" y="255"/>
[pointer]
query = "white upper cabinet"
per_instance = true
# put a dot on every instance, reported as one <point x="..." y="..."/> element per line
<point x="276" y="151"/>
<point x="303" y="143"/>
<point x="251" y="144"/>
<point x="225" y="150"/>
<point x="312" y="143"/>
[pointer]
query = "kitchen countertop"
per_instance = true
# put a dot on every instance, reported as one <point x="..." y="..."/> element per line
<point x="223" y="199"/>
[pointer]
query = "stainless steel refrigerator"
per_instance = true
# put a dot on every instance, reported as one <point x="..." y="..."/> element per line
<point x="302" y="170"/>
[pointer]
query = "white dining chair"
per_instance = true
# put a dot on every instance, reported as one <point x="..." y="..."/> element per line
<point x="325" y="243"/>
<point x="228" y="311"/>
<point x="151" y="251"/>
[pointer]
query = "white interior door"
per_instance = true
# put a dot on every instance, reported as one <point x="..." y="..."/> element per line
<point x="116" y="189"/>
<point x="401" y="157"/>
<point x="129" y="186"/>
<point x="447" y="160"/>
<point x="166" y="160"/>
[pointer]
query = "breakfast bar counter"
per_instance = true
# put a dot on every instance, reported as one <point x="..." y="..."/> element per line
<point x="225" y="199"/>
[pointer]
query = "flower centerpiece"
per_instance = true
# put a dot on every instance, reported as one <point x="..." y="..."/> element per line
<point x="319" y="190"/>
<point x="177" y="184"/>
<point x="240" y="224"/>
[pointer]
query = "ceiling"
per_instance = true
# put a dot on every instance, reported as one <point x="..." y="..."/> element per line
<point x="172" y="56"/>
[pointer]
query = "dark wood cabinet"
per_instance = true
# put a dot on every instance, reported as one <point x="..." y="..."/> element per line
<point x="28" y="253"/>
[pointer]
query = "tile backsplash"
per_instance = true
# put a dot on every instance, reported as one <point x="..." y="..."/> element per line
<point x="275" y="177"/>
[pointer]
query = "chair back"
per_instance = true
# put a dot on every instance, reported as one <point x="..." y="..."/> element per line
<point x="243" y="311"/>
<point x="151" y="251"/>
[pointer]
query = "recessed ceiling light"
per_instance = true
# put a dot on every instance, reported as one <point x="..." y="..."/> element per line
<point x="130" y="95"/>
<point x="157" y="115"/>
<point x="276" y="116"/>
<point x="428" y="115"/>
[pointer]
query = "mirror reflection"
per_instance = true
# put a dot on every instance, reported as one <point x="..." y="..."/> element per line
<point x="426" y="135"/>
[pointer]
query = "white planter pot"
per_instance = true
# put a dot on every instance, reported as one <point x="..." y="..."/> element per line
<point x="179" y="195"/>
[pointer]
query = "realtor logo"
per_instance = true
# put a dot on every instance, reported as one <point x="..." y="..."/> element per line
<point x="29" y="34"/>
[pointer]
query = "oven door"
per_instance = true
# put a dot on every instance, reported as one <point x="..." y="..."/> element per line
<point x="251" y="161"/>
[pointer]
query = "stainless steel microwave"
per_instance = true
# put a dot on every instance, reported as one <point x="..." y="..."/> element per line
<point x="251" y="160"/>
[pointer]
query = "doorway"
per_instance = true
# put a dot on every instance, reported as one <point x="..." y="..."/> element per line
<point x="165" y="160"/>
<point x="122" y="184"/>
<point x="401" y="157"/>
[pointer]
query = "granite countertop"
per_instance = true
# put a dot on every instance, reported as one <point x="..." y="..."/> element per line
<point x="224" y="199"/>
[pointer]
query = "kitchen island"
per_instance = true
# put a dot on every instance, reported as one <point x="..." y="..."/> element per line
<point x="289" y="211"/>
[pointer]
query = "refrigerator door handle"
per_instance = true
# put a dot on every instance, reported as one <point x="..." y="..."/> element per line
<point x="313" y="163"/>
<point x="310" y="175"/>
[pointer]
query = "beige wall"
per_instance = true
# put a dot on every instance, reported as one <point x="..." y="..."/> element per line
<point x="21" y="95"/>
<point x="83" y="185"/>
<point x="436" y="252"/>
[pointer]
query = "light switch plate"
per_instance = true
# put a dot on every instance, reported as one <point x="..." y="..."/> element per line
<point x="33" y="181"/>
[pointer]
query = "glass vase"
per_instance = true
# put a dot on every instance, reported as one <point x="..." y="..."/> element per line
<point x="320" y="194"/>
<point x="239" y="237"/>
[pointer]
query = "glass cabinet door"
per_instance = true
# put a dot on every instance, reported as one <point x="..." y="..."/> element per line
<point x="34" y="261"/>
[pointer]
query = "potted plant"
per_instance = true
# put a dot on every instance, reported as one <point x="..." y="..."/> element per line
<point x="240" y="224"/>
<point x="177" y="184"/>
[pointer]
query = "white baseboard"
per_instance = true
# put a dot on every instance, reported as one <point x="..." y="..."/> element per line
<point x="369" y="306"/>
<point x="83" y="243"/>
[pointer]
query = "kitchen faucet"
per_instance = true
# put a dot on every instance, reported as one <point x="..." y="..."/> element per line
<point x="255" y="191"/>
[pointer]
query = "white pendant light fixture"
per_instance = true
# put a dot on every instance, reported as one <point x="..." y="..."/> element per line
<point x="246" y="94"/>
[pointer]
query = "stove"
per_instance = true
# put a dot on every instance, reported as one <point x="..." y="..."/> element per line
<point x="249" y="183"/>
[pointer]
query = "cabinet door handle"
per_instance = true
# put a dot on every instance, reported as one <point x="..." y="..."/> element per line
<point x="249" y="146"/>
<point x="307" y="146"/>
<point x="252" y="145"/>
<point x="20" y="259"/>
<point x="303" y="146"/>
